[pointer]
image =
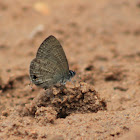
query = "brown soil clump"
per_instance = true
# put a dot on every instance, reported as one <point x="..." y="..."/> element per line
<point x="62" y="102"/>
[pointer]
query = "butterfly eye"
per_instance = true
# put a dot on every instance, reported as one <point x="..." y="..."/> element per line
<point x="72" y="73"/>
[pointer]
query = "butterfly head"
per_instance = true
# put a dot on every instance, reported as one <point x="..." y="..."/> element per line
<point x="72" y="73"/>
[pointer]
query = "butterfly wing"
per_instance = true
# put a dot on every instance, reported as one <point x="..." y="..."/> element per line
<point x="51" y="49"/>
<point x="43" y="74"/>
<point x="50" y="64"/>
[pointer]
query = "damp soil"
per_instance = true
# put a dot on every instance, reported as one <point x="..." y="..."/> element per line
<point x="101" y="41"/>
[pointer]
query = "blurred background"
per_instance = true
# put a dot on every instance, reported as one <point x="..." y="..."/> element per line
<point x="88" y="30"/>
<point x="101" y="40"/>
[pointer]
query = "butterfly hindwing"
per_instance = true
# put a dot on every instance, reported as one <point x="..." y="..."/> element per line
<point x="42" y="73"/>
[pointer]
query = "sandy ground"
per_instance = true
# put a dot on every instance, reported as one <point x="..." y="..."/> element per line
<point x="101" y="40"/>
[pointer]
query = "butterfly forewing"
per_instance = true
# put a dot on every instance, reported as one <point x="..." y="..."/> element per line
<point x="52" y="49"/>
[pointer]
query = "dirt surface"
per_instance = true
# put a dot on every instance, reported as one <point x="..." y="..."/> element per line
<point x="101" y="40"/>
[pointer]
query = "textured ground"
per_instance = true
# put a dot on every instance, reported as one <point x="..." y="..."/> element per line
<point x="101" y="41"/>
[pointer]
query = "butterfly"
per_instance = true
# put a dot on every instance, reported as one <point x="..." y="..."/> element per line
<point x="50" y="65"/>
